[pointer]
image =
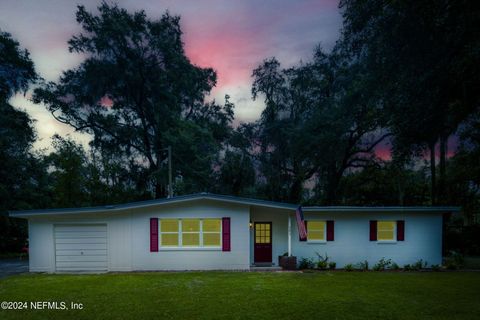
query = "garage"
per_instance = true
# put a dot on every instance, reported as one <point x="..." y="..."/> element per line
<point x="81" y="248"/>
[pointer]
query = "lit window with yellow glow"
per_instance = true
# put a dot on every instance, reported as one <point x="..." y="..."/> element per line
<point x="211" y="232"/>
<point x="190" y="233"/>
<point x="315" y="230"/>
<point x="169" y="232"/>
<point x="386" y="230"/>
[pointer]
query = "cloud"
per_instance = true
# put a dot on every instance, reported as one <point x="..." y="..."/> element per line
<point x="233" y="37"/>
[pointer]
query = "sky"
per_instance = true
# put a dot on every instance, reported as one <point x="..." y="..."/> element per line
<point x="231" y="36"/>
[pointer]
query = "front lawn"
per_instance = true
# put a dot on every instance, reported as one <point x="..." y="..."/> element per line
<point x="249" y="295"/>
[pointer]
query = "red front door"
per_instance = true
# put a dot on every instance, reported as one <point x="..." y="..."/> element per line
<point x="262" y="251"/>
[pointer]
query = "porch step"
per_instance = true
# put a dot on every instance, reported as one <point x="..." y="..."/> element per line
<point x="264" y="268"/>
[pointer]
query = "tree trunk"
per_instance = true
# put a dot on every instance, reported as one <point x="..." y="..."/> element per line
<point x="443" y="162"/>
<point x="432" y="173"/>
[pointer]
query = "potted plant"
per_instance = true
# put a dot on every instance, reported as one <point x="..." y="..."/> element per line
<point x="287" y="262"/>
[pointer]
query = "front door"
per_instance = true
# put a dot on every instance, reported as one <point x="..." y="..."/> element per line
<point x="262" y="250"/>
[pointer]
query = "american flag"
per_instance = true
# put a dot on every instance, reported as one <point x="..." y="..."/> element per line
<point x="302" y="231"/>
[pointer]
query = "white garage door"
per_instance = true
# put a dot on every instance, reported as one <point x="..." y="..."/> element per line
<point x="81" y="247"/>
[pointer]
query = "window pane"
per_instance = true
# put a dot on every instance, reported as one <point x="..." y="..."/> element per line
<point x="211" y="239"/>
<point x="169" y="225"/>
<point x="267" y="239"/>
<point x="211" y="225"/>
<point x="190" y="239"/>
<point x="191" y="225"/>
<point x="169" y="239"/>
<point x="316" y="225"/>
<point x="385" y="235"/>
<point x="316" y="235"/>
<point x="386" y="225"/>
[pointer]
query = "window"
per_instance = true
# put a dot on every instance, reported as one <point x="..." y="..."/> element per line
<point x="386" y="230"/>
<point x="262" y="232"/>
<point x="169" y="232"/>
<point x="316" y="230"/>
<point x="190" y="232"/>
<point x="211" y="232"/>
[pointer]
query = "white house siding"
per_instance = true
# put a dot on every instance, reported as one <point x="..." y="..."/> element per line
<point x="423" y="239"/>
<point x="129" y="238"/>
<point x="191" y="259"/>
<point x="279" y="219"/>
<point x="42" y="239"/>
<point x="41" y="248"/>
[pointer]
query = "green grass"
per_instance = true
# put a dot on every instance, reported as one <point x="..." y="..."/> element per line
<point x="250" y="295"/>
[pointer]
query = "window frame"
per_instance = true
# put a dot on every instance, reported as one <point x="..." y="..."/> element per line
<point x="324" y="240"/>
<point x="180" y="246"/>
<point x="394" y="239"/>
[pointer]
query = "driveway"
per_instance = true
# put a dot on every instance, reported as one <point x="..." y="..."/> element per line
<point x="14" y="266"/>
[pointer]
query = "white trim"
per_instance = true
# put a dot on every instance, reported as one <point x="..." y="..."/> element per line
<point x="190" y="249"/>
<point x="289" y="236"/>
<point x="226" y="199"/>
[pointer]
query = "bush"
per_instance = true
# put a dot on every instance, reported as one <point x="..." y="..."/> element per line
<point x="436" y="267"/>
<point x="348" y="267"/>
<point x="382" y="264"/>
<point x="322" y="261"/>
<point x="306" y="263"/>
<point x="363" y="265"/>
<point x="332" y="265"/>
<point x="454" y="261"/>
<point x="394" y="266"/>
<point x="407" y="267"/>
<point x="420" y="264"/>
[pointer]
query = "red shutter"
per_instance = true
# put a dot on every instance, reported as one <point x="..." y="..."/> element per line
<point x="373" y="230"/>
<point x="330" y="230"/>
<point x="401" y="230"/>
<point x="225" y="234"/>
<point x="153" y="234"/>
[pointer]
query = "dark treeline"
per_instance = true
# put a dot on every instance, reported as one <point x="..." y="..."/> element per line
<point x="404" y="74"/>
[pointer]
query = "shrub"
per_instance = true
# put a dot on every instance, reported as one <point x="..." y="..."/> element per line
<point x="420" y="264"/>
<point x="436" y="267"/>
<point x="306" y="263"/>
<point x="348" y="267"/>
<point x="454" y="261"/>
<point x="332" y="265"/>
<point x="363" y="265"/>
<point x="407" y="267"/>
<point x="322" y="261"/>
<point x="394" y="266"/>
<point x="382" y="264"/>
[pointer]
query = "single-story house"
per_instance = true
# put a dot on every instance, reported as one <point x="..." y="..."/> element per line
<point x="211" y="232"/>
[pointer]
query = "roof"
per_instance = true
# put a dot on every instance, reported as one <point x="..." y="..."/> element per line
<point x="221" y="198"/>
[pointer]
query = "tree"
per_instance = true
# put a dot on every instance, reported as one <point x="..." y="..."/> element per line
<point x="23" y="181"/>
<point x="69" y="173"/>
<point x="318" y="122"/>
<point x="137" y="92"/>
<point x="424" y="55"/>
<point x="17" y="70"/>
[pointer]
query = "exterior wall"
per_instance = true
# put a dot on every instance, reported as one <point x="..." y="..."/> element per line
<point x="423" y="239"/>
<point x="129" y="239"/>
<point x="41" y="246"/>
<point x="279" y="219"/>
<point x="191" y="259"/>
<point x="42" y="242"/>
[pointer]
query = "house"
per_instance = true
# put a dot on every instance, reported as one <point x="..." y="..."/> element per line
<point x="207" y="231"/>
